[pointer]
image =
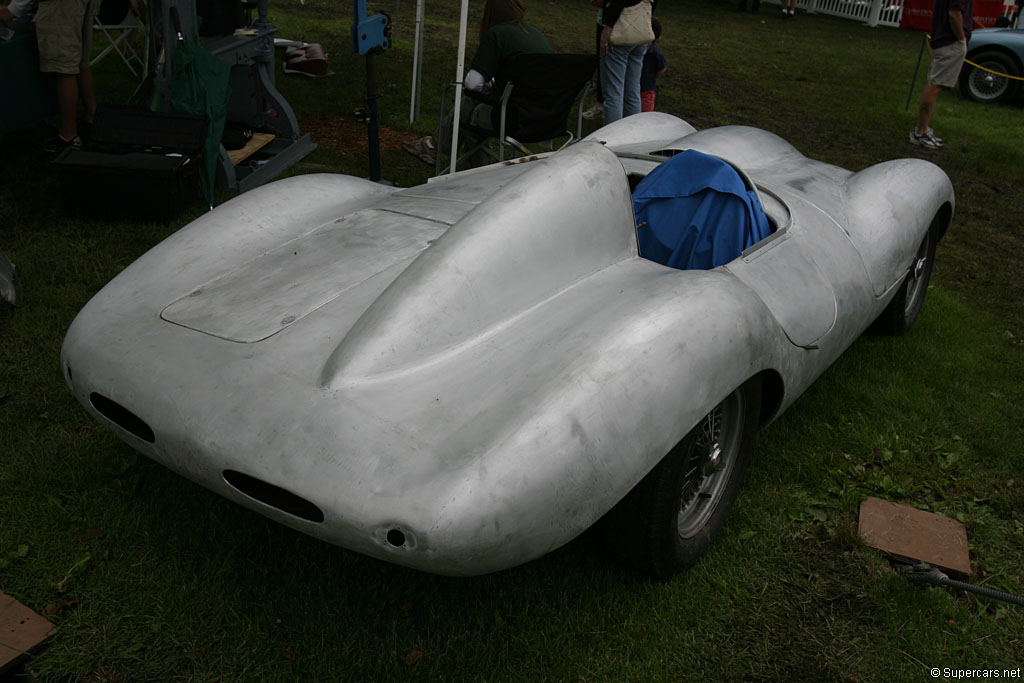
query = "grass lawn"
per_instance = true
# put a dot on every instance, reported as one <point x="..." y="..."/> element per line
<point x="150" y="577"/>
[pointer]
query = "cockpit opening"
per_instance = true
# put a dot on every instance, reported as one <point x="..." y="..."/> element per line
<point x="696" y="211"/>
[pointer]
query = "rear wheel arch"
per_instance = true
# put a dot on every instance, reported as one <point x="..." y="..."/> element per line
<point x="941" y="221"/>
<point x="998" y="49"/>
<point x="670" y="518"/>
<point x="905" y="306"/>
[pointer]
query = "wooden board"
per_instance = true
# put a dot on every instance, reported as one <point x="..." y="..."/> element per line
<point x="258" y="141"/>
<point x="21" y="630"/>
<point x="915" y="535"/>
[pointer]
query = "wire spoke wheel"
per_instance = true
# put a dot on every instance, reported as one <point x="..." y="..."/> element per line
<point x="988" y="84"/>
<point x="905" y="306"/>
<point x="711" y="461"/>
<point x="917" y="279"/>
<point x="668" y="521"/>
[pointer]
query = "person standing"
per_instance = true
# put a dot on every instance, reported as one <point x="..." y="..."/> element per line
<point x="654" y="66"/>
<point x="951" y="29"/>
<point x="620" y="66"/>
<point x="64" y="33"/>
<point x="503" y="35"/>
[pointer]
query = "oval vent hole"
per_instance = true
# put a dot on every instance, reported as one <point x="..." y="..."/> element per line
<point x="122" y="417"/>
<point x="274" y="496"/>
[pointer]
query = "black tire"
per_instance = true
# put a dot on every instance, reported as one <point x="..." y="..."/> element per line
<point x="668" y="521"/>
<point x="902" y="311"/>
<point x="984" y="86"/>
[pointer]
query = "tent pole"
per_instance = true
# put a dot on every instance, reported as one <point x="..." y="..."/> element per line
<point x="459" y="69"/>
<point x="417" y="63"/>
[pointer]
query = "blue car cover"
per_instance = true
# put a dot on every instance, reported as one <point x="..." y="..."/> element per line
<point x="695" y="212"/>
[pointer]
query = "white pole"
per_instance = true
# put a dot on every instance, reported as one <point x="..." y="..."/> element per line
<point x="459" y="68"/>
<point x="417" y="63"/>
<point x="876" y="12"/>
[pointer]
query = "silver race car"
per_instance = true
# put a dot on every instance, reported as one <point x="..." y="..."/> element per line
<point x="465" y="375"/>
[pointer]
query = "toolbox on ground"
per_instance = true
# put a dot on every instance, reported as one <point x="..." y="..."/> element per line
<point x="137" y="164"/>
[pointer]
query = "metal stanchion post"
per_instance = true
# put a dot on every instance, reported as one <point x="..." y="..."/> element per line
<point x="913" y="81"/>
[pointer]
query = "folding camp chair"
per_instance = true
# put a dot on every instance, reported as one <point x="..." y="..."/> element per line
<point x="119" y="37"/>
<point x="536" y="99"/>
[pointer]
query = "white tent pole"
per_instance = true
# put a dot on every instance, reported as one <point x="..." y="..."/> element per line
<point x="417" y="63"/>
<point x="459" y="68"/>
<point x="874" y="13"/>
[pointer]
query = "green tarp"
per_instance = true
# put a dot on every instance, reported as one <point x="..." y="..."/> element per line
<point x="199" y="85"/>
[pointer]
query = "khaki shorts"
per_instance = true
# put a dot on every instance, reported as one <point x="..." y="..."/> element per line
<point x="64" y="32"/>
<point x="946" y="63"/>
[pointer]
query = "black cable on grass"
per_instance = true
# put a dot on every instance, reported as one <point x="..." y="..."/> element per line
<point x="925" y="574"/>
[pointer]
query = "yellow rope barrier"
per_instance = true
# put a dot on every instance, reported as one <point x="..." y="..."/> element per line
<point x="979" y="66"/>
<point x="991" y="71"/>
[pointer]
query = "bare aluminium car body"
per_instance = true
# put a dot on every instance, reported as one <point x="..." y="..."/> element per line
<point x="464" y="375"/>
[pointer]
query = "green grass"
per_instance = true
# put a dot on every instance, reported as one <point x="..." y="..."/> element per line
<point x="153" y="578"/>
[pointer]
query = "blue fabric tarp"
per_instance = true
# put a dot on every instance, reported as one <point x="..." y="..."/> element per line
<point x="695" y="212"/>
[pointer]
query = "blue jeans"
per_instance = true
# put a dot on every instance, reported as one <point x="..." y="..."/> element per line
<point x="620" y="81"/>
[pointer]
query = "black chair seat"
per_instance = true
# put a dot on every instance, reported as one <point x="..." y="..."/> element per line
<point x="536" y="93"/>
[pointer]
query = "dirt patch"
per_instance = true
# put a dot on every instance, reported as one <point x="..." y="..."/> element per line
<point x="345" y="136"/>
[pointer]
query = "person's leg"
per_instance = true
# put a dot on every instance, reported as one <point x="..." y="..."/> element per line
<point x="943" y="72"/>
<point x="87" y="93"/>
<point x="597" y="111"/>
<point x="929" y="96"/>
<point x="480" y="116"/>
<point x="443" y="135"/>
<point x="471" y="113"/>
<point x="613" y="77"/>
<point x="647" y="100"/>
<point x="631" y="87"/>
<point x="67" y="105"/>
<point x="62" y="43"/>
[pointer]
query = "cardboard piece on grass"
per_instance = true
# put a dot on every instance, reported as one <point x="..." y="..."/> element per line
<point x="21" y="630"/>
<point x="915" y="535"/>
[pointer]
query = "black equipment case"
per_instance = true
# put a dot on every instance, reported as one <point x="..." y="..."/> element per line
<point x="138" y="164"/>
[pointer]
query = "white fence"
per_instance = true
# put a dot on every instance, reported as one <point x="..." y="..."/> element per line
<point x="886" y="12"/>
<point x="872" y="12"/>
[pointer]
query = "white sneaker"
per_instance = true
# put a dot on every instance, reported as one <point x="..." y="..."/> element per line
<point x="424" y="149"/>
<point x="927" y="140"/>
<point x="595" y="112"/>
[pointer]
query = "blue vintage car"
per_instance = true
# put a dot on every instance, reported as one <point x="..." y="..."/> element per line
<point x="996" y="51"/>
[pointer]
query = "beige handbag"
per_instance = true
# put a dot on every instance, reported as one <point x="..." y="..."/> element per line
<point x="633" y="26"/>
